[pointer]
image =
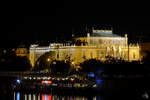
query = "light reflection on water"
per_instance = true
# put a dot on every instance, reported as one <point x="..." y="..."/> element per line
<point x="21" y="96"/>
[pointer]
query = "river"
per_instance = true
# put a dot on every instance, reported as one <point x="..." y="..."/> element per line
<point x="35" y="96"/>
<point x="133" y="89"/>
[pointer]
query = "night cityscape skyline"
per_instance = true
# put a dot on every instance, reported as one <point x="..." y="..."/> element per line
<point x="73" y="50"/>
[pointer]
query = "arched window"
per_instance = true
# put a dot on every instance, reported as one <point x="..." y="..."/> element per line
<point x="101" y="54"/>
<point x="57" y="55"/>
<point x="91" y="55"/>
<point x="84" y="57"/>
<point x="91" y="41"/>
<point x="125" y="55"/>
<point x="134" y="56"/>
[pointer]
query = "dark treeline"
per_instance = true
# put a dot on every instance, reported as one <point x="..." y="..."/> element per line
<point x="114" y="67"/>
<point x="10" y="62"/>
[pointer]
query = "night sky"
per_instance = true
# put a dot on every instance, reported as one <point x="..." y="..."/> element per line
<point x="57" y="24"/>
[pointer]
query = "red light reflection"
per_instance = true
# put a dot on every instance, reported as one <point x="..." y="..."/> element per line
<point x="46" y="97"/>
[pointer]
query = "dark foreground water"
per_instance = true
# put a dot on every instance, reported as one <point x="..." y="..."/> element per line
<point x="50" y="96"/>
<point x="113" y="95"/>
<point x="134" y="89"/>
<point x="24" y="96"/>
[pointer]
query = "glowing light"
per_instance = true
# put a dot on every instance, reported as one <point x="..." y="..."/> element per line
<point x="72" y="80"/>
<point x="54" y="62"/>
<point x="46" y="82"/>
<point x="72" y="63"/>
<point x="145" y="95"/>
<point x="34" y="97"/>
<point x="63" y="79"/>
<point x="91" y="75"/>
<point x="48" y="59"/>
<point x="46" y="97"/>
<point x="99" y="80"/>
<point x="18" y="95"/>
<point x="58" y="79"/>
<point x="24" y="97"/>
<point x="34" y="78"/>
<point x="18" y="81"/>
<point x="43" y="97"/>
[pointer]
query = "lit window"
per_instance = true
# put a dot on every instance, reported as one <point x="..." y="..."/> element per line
<point x="101" y="54"/>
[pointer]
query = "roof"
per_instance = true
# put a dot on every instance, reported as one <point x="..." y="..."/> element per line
<point x="104" y="35"/>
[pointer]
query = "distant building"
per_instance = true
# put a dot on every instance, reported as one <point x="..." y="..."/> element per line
<point x="144" y="48"/>
<point x="99" y="44"/>
<point x="21" y="52"/>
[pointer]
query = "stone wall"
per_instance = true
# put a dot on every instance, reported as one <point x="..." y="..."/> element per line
<point x="78" y="54"/>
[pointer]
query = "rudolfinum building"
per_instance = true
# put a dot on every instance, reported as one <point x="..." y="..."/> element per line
<point x="98" y="45"/>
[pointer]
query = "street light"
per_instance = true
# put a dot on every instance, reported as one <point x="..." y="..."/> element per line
<point x="18" y="81"/>
<point x="48" y="59"/>
<point x="72" y="63"/>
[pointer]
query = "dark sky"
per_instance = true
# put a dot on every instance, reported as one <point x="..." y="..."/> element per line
<point x="58" y="23"/>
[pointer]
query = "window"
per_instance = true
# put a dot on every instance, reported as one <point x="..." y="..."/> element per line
<point x="91" y="55"/>
<point x="101" y="54"/>
<point x="91" y="41"/>
<point x="57" y="55"/>
<point x="134" y="56"/>
<point x="84" y="57"/>
<point x="112" y="54"/>
<point x="100" y="41"/>
<point x="124" y="55"/>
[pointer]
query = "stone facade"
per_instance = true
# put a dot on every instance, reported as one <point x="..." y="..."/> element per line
<point x="22" y="52"/>
<point x="94" y="46"/>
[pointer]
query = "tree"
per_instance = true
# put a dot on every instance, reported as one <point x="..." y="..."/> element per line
<point x="60" y="67"/>
<point x="146" y="59"/>
<point x="21" y="64"/>
<point x="112" y="60"/>
<point x="91" y="65"/>
<point x="10" y="62"/>
<point x="44" y="61"/>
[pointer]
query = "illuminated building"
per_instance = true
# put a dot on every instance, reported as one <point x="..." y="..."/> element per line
<point x="21" y="52"/>
<point x="99" y="44"/>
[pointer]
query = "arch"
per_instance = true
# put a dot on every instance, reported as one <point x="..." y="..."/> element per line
<point x="44" y="60"/>
<point x="35" y="54"/>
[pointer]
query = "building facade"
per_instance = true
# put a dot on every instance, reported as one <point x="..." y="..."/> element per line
<point x="22" y="52"/>
<point x="98" y="45"/>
